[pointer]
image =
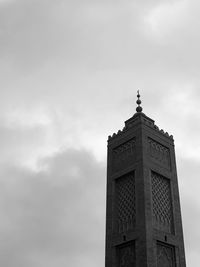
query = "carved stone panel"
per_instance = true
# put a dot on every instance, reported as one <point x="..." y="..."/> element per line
<point x="126" y="255"/>
<point x="162" y="203"/>
<point x="159" y="153"/>
<point x="123" y="155"/>
<point x="165" y="255"/>
<point x="125" y="202"/>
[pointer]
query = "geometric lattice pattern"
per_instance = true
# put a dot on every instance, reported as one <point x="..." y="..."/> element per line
<point x="125" y="202"/>
<point x="165" y="255"/>
<point x="126" y="256"/>
<point x="162" y="203"/>
<point x="159" y="153"/>
<point x="123" y="155"/>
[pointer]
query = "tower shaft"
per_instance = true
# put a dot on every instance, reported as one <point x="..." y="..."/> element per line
<point x="143" y="217"/>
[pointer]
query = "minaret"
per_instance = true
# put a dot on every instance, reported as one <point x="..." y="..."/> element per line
<point x="143" y="217"/>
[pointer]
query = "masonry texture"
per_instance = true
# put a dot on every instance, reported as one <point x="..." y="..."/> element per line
<point x="143" y="219"/>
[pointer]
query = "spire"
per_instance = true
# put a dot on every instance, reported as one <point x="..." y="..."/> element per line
<point x="138" y="109"/>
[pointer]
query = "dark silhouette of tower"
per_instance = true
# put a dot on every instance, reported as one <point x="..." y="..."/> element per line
<point x="143" y="218"/>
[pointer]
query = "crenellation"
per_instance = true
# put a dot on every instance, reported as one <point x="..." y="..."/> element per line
<point x="146" y="122"/>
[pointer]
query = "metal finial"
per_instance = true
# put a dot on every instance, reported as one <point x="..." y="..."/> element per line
<point x="138" y="109"/>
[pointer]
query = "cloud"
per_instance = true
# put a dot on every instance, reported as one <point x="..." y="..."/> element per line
<point x="53" y="217"/>
<point x="57" y="216"/>
<point x="20" y="145"/>
<point x="188" y="170"/>
<point x="158" y="22"/>
<point x="69" y="74"/>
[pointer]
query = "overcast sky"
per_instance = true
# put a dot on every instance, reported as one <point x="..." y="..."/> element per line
<point x="70" y="70"/>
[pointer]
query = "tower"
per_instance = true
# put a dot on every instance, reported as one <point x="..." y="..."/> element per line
<point x="143" y="216"/>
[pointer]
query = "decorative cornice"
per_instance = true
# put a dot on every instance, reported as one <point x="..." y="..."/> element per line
<point x="139" y="118"/>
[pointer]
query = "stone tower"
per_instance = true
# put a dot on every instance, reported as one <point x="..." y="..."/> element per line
<point x="143" y="217"/>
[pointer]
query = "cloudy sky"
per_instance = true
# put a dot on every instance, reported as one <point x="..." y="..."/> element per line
<point x="70" y="70"/>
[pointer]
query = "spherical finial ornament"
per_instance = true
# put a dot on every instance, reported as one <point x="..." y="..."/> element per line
<point x="138" y="109"/>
